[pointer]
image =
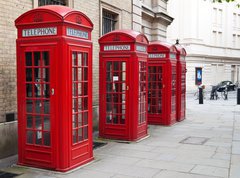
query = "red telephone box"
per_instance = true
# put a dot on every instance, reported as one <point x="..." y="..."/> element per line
<point x="123" y="85"/>
<point x="161" y="83"/>
<point x="181" y="83"/>
<point x="54" y="81"/>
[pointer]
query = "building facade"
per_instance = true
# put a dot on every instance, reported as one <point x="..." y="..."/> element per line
<point x="210" y="33"/>
<point x="148" y="16"/>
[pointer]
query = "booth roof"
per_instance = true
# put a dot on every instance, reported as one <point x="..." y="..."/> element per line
<point x="164" y="45"/>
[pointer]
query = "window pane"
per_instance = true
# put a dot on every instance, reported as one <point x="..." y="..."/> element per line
<point x="85" y="59"/>
<point x="29" y="121"/>
<point x="74" y="58"/>
<point x="85" y="118"/>
<point x="45" y="58"/>
<point x="29" y="74"/>
<point x="28" y="57"/>
<point x="46" y="124"/>
<point x="37" y="59"/>
<point x="39" y="137"/>
<point x="38" y="123"/>
<point x="29" y="106"/>
<point x="29" y="90"/>
<point x="74" y="136"/>
<point x="38" y="106"/>
<point x="85" y="132"/>
<point x="74" y="120"/>
<point x="46" y="139"/>
<point x="30" y="136"/>
<point x="80" y="136"/>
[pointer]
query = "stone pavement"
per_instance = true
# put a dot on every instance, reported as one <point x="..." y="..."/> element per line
<point x="205" y="145"/>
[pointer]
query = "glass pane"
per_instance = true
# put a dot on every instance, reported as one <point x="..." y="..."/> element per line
<point x="80" y="136"/>
<point x="39" y="137"/>
<point x="29" y="90"/>
<point x="46" y="105"/>
<point x="30" y="136"/>
<point x="74" y="89"/>
<point x="37" y="74"/>
<point x="29" y="106"/>
<point x="74" y="74"/>
<point x="45" y="58"/>
<point x="79" y="59"/>
<point x="29" y="74"/>
<point x="29" y="121"/>
<point x="80" y="104"/>
<point x="85" y="132"/>
<point x="109" y="65"/>
<point x="46" y="74"/>
<point x="74" y="105"/>
<point x="79" y="74"/>
<point x="46" y="139"/>
<point x="85" y="59"/>
<point x="85" y="118"/>
<point x="79" y="89"/>
<point x="85" y="102"/>
<point x="46" y="124"/>
<point x="85" y="88"/>
<point x="37" y="92"/>
<point x="37" y="59"/>
<point x="74" y="120"/>
<point x="79" y="119"/>
<point x="38" y="106"/>
<point x="85" y="74"/>
<point x="38" y="123"/>
<point x="28" y="56"/>
<point x="46" y="90"/>
<point x="74" y="136"/>
<point x="74" y="58"/>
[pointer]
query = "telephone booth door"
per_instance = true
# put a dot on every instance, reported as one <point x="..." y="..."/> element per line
<point x="37" y="106"/>
<point x="123" y="85"/>
<point x="161" y="83"/>
<point x="115" y="96"/>
<point x="81" y="100"/>
<point x="54" y="75"/>
<point x="181" y="83"/>
<point x="155" y="92"/>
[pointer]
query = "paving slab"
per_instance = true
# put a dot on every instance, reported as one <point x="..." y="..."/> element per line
<point x="205" y="145"/>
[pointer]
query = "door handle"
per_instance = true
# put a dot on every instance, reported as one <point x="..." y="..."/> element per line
<point x="52" y="92"/>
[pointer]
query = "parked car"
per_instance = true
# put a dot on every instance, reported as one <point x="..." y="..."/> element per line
<point x="230" y="86"/>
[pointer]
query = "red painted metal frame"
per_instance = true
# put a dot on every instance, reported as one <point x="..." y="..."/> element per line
<point x="61" y="154"/>
<point x="181" y="83"/>
<point x="163" y="55"/>
<point x="135" y="125"/>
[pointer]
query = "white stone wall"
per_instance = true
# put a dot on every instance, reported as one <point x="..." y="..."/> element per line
<point x="194" y="24"/>
<point x="10" y="10"/>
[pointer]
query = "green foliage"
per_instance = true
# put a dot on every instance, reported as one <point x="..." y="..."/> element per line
<point x="221" y="1"/>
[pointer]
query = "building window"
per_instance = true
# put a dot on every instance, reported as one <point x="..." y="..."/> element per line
<point x="234" y="41"/>
<point x="52" y="2"/>
<point x="234" y="20"/>
<point x="109" y="21"/>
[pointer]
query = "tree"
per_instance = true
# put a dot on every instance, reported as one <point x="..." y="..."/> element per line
<point x="228" y="1"/>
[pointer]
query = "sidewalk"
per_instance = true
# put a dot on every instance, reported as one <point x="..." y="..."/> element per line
<point x="205" y="145"/>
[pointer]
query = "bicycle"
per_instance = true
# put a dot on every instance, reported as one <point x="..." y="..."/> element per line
<point x="224" y="93"/>
<point x="196" y="94"/>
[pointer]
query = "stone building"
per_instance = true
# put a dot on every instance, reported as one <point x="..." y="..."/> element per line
<point x="148" y="16"/>
<point x="211" y="34"/>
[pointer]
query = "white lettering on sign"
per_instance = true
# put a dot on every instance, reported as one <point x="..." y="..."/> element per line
<point x="77" y="33"/>
<point x="39" y="31"/>
<point x="159" y="55"/>
<point x="173" y="56"/>
<point x="141" y="48"/>
<point x="117" y="48"/>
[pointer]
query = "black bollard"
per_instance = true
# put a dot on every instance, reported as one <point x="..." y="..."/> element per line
<point x="238" y="96"/>
<point x="200" y="95"/>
